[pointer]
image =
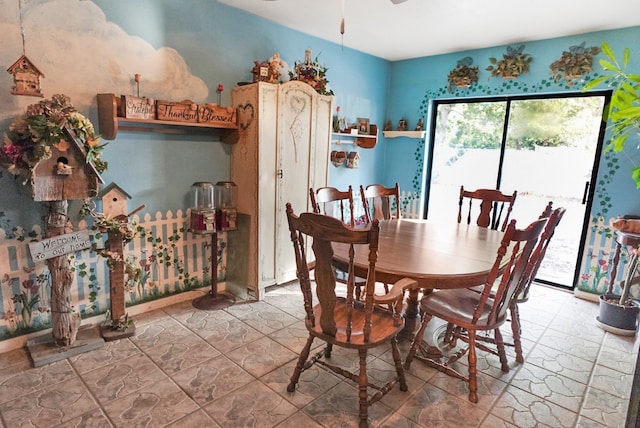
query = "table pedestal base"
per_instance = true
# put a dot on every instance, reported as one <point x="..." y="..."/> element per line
<point x="211" y="302"/>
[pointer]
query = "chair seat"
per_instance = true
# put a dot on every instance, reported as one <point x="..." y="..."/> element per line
<point x="387" y="326"/>
<point x="459" y="305"/>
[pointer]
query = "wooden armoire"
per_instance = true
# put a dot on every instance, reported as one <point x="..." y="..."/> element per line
<point x="283" y="150"/>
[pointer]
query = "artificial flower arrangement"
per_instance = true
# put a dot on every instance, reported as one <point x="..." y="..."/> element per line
<point x="312" y="73"/>
<point x="31" y="136"/>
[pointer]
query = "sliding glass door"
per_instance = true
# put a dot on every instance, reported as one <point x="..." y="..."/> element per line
<point x="544" y="147"/>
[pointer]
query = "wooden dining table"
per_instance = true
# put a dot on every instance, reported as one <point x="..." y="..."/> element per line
<point x="436" y="255"/>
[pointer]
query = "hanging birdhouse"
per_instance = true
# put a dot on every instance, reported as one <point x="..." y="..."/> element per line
<point x="66" y="174"/>
<point x="353" y="160"/>
<point x="26" y="78"/>
<point x="114" y="200"/>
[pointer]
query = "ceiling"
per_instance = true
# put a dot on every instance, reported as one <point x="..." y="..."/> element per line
<point x="416" y="28"/>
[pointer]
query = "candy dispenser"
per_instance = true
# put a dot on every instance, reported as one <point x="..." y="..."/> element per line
<point x="226" y="200"/>
<point x="202" y="218"/>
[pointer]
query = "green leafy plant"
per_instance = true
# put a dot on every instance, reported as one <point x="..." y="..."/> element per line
<point x="121" y="324"/>
<point x="32" y="135"/>
<point x="463" y="75"/>
<point x="513" y="63"/>
<point x="312" y="73"/>
<point x="624" y="108"/>
<point x="574" y="63"/>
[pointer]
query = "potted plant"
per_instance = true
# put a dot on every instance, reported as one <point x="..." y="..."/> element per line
<point x="621" y="311"/>
<point x="623" y="112"/>
<point x="512" y="64"/>
<point x="574" y="63"/>
<point x="463" y="75"/>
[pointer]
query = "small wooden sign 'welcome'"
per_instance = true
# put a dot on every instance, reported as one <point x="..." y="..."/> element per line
<point x="59" y="245"/>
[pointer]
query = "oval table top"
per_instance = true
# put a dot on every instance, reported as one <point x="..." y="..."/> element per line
<point x="437" y="255"/>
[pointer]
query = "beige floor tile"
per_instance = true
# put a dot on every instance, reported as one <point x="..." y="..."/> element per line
<point x="431" y="406"/>
<point x="212" y="379"/>
<point x="113" y="381"/>
<point x="524" y="410"/>
<point x="229" y="335"/>
<point x="261" y="356"/>
<point x="253" y="405"/>
<point x="93" y="419"/>
<point x="312" y="383"/>
<point x="50" y="406"/>
<point x="20" y="379"/>
<point x="604" y="408"/>
<point x="155" y="405"/>
<point x="187" y="367"/>
<point x="561" y="363"/>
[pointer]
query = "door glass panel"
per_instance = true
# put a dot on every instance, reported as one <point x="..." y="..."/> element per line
<point x="466" y="153"/>
<point x="551" y="144"/>
<point x="548" y="154"/>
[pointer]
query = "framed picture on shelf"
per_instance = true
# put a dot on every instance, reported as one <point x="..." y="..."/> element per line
<point x="363" y="125"/>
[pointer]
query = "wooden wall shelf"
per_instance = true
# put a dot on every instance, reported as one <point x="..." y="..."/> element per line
<point x="110" y="123"/>
<point x="366" y="141"/>
<point x="408" y="134"/>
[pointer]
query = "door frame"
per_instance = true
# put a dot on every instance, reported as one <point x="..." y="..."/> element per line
<point x="587" y="197"/>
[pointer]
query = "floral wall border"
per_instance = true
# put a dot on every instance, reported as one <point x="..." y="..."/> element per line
<point x="599" y="243"/>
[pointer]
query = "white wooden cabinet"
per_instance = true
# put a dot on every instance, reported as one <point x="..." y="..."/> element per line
<point x="283" y="150"/>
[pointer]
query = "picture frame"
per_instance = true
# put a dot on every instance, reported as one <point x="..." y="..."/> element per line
<point x="363" y="125"/>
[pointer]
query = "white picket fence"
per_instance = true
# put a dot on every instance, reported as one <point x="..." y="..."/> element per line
<point x="409" y="204"/>
<point x="596" y="265"/>
<point x="30" y="280"/>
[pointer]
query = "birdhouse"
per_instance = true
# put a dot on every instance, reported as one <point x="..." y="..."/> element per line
<point x="114" y="200"/>
<point x="66" y="175"/>
<point x="26" y="78"/>
<point x="353" y="159"/>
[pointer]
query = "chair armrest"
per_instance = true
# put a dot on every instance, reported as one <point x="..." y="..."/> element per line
<point x="396" y="292"/>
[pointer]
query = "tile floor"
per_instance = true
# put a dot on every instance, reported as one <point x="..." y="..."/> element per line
<point x="229" y="368"/>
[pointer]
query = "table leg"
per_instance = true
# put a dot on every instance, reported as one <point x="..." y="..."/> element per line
<point x="411" y="315"/>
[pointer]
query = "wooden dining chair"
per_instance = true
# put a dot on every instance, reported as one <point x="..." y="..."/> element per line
<point x="343" y="320"/>
<point x="379" y="202"/>
<point x="521" y="296"/>
<point x="339" y="204"/>
<point x="491" y="203"/>
<point x="333" y="202"/>
<point x="473" y="311"/>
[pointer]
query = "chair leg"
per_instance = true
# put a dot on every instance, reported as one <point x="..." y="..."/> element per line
<point x="502" y="354"/>
<point x="448" y="334"/>
<point x="363" y="383"/>
<point x="304" y="354"/>
<point x="516" y="329"/>
<point x="417" y="340"/>
<point x="473" y="370"/>
<point x="397" y="360"/>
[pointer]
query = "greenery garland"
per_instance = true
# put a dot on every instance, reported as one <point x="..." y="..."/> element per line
<point x="31" y="136"/>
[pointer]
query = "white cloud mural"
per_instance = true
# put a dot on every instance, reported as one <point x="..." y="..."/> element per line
<point x="81" y="54"/>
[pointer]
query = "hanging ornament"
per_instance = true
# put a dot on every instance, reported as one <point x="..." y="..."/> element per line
<point x="342" y="27"/>
<point x="26" y="76"/>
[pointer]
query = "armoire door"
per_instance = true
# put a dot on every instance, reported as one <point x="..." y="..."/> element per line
<point x="302" y="146"/>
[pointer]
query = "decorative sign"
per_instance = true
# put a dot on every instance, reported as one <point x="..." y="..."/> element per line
<point x="184" y="111"/>
<point x="216" y="115"/>
<point x="138" y="108"/>
<point x="59" y="245"/>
